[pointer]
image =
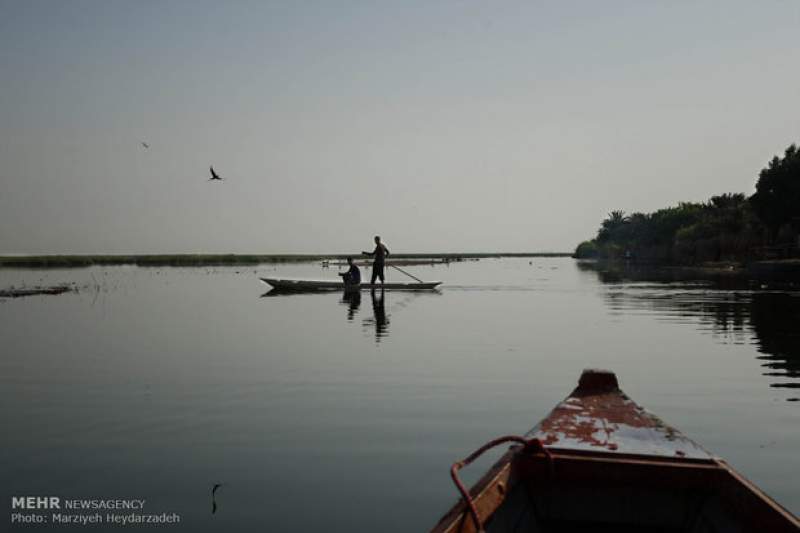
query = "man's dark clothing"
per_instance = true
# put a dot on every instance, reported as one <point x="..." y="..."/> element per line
<point x="379" y="254"/>
<point x="377" y="272"/>
<point x="352" y="276"/>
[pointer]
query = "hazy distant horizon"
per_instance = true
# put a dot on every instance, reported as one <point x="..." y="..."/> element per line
<point x="443" y="127"/>
<point x="354" y="253"/>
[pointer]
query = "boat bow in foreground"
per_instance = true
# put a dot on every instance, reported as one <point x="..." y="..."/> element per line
<point x="601" y="463"/>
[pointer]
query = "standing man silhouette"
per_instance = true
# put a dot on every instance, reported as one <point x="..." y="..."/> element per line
<point x="380" y="253"/>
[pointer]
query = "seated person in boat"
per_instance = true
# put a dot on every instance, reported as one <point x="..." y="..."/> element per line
<point x="352" y="276"/>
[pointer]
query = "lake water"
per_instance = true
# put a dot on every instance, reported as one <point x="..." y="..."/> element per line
<point x="316" y="411"/>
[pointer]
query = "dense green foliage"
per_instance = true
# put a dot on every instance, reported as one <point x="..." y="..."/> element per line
<point x="587" y="250"/>
<point x="728" y="227"/>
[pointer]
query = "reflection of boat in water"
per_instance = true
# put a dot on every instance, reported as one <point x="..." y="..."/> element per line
<point x="352" y="299"/>
<point x="302" y="285"/>
<point x="379" y="318"/>
<point x="378" y="323"/>
<point x="599" y="462"/>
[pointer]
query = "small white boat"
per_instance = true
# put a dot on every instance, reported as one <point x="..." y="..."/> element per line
<point x="337" y="285"/>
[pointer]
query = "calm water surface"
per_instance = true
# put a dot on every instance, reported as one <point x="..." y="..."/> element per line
<point x="315" y="410"/>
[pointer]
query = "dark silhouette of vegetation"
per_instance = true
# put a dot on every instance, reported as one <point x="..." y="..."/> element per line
<point x="728" y="227"/>
<point x="777" y="197"/>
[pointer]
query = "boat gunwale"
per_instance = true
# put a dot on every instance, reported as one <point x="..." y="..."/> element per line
<point x="488" y="493"/>
<point x="500" y="479"/>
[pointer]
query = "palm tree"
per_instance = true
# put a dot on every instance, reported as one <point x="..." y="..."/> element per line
<point x="614" y="221"/>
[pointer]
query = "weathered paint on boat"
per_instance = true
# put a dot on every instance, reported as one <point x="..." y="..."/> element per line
<point x="336" y="285"/>
<point x="613" y="466"/>
<point x="598" y="416"/>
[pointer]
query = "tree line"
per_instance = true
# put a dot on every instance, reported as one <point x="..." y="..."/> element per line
<point x="727" y="227"/>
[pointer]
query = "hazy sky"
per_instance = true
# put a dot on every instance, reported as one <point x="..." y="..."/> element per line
<point x="443" y="126"/>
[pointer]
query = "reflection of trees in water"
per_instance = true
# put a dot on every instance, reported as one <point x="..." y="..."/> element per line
<point x="776" y="322"/>
<point x="727" y="308"/>
<point x="723" y="314"/>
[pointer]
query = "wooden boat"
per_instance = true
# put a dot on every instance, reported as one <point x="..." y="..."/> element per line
<point x="601" y="463"/>
<point x="338" y="285"/>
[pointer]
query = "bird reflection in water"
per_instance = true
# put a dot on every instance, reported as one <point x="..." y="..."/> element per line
<point x="214" y="497"/>
<point x="379" y="319"/>
<point x="352" y="299"/>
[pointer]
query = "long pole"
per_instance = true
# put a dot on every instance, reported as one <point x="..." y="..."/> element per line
<point x="406" y="273"/>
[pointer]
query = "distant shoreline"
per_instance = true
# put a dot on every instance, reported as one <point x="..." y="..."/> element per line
<point x="154" y="260"/>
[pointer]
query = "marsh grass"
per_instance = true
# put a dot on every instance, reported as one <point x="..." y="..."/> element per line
<point x="179" y="260"/>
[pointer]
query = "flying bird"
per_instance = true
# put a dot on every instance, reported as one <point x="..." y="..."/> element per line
<point x="145" y="144"/>
<point x="214" y="175"/>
